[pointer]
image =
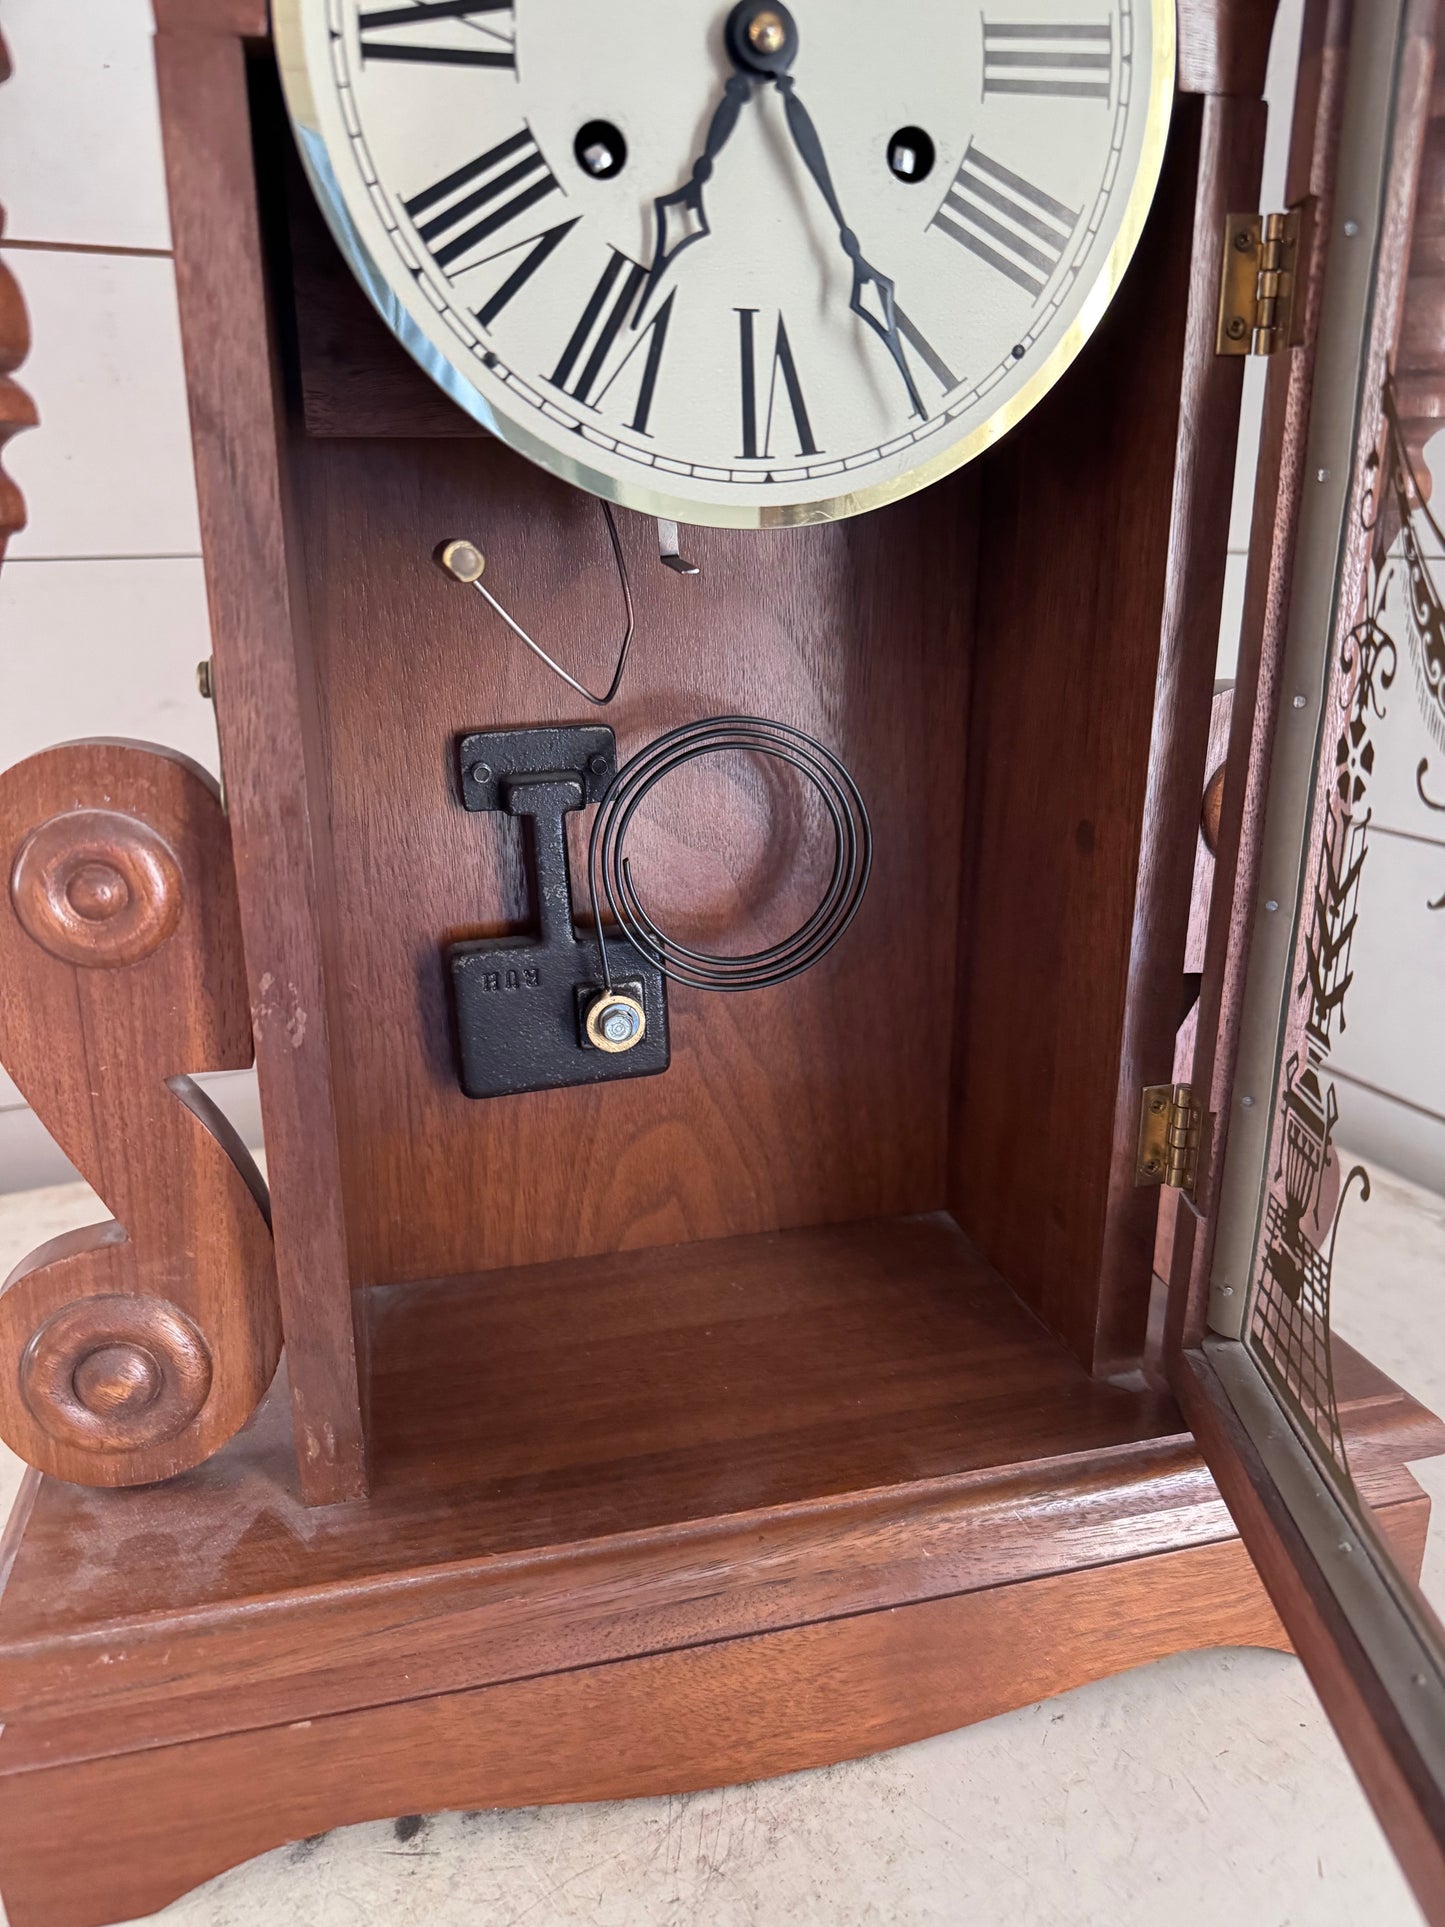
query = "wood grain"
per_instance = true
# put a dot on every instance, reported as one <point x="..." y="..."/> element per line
<point x="275" y="786"/>
<point x="1407" y="1798"/>
<point x="134" y="1348"/>
<point x="354" y="377"/>
<point x="667" y="1447"/>
<point x="1279" y="483"/>
<point x="1224" y="46"/>
<point x="248" y="19"/>
<point x="823" y="1100"/>
<point x="805" y="1376"/>
<point x="17" y="410"/>
<point x="89" y="1843"/>
<point x="1093" y="683"/>
<point x="1420" y="352"/>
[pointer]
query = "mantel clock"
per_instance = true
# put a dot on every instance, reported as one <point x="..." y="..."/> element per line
<point x="615" y="1386"/>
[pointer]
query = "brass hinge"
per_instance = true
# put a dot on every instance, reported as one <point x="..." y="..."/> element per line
<point x="1258" y="281"/>
<point x="1171" y="1122"/>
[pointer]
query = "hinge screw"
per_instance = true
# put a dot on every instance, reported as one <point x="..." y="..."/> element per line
<point x="1243" y="240"/>
<point x="1236" y="327"/>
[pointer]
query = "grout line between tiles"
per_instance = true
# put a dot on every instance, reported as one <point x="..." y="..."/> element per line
<point x="85" y="247"/>
<point x="1391" y="1097"/>
<point x="1408" y="836"/>
<point x="161" y="555"/>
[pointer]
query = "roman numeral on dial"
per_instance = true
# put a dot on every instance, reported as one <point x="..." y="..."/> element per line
<point x="1066" y="61"/>
<point x="490" y="45"/>
<point x="598" y="352"/>
<point x="497" y="188"/>
<point x="758" y="410"/>
<point x="1006" y="221"/>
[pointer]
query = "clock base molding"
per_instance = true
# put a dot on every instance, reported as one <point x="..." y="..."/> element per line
<point x="672" y="1519"/>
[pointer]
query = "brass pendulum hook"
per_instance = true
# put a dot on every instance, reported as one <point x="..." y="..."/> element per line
<point x="464" y="562"/>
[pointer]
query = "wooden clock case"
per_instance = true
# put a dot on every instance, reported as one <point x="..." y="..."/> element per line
<point x="799" y="1402"/>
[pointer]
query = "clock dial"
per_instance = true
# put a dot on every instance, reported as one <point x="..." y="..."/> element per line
<point x="760" y="266"/>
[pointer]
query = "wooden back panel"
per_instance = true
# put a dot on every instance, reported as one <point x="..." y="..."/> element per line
<point x="823" y="1100"/>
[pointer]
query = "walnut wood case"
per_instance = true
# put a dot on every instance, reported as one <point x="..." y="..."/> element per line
<point x="790" y="1405"/>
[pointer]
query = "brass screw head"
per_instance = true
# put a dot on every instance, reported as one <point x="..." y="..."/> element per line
<point x="462" y="560"/>
<point x="766" y="33"/>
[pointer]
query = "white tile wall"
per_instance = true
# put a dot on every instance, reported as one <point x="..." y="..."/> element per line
<point x="80" y="145"/>
<point x="102" y="600"/>
<point x="108" y="471"/>
<point x="106" y="648"/>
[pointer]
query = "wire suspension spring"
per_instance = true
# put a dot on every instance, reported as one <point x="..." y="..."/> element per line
<point x="609" y="870"/>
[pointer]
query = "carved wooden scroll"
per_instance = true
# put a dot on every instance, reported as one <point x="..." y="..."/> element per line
<point x="133" y="1349"/>
<point x="17" y="410"/>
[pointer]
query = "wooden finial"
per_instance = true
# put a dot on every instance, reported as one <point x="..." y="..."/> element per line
<point x="17" y="410"/>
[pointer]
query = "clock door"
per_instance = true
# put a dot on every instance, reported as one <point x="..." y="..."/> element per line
<point x="1329" y="901"/>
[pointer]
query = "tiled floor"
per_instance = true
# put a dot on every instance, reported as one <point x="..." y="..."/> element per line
<point x="1207" y="1789"/>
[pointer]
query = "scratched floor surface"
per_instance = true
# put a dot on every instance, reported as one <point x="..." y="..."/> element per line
<point x="1207" y="1789"/>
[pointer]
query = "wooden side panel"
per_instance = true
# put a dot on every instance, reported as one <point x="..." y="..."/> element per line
<point x="1105" y="529"/>
<point x="131" y="1349"/>
<point x="1224" y="45"/>
<point x="278" y="833"/>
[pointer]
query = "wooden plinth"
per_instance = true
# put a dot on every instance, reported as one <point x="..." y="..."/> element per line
<point x="672" y="1519"/>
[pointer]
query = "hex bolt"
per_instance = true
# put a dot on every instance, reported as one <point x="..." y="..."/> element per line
<point x="615" y="1022"/>
<point x="618" y="1024"/>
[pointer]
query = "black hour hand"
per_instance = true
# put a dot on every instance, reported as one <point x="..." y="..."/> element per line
<point x="681" y="216"/>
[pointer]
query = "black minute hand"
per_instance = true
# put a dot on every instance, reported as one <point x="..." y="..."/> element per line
<point x="681" y="216"/>
<point x="884" y="322"/>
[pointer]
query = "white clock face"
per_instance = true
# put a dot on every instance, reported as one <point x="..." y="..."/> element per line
<point x="721" y="294"/>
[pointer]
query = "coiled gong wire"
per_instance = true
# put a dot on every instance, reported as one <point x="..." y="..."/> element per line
<point x="609" y="870"/>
